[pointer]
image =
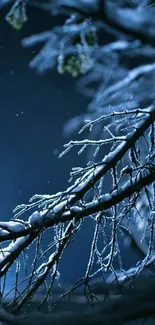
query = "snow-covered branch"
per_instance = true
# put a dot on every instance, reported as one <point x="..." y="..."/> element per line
<point x="129" y="21"/>
<point x="117" y="191"/>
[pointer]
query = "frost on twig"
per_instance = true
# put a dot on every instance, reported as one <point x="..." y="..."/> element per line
<point x="65" y="211"/>
<point x="115" y="189"/>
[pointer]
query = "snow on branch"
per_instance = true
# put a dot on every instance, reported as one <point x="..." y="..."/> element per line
<point x="132" y="75"/>
<point x="130" y="21"/>
<point x="65" y="207"/>
<point x="116" y="191"/>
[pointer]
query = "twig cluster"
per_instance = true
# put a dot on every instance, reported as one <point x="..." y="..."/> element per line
<point x="116" y="190"/>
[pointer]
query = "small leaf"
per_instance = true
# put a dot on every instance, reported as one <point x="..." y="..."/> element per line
<point x="79" y="63"/>
<point x="16" y="17"/>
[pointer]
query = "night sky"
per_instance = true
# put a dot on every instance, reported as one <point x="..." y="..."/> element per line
<point x="33" y="110"/>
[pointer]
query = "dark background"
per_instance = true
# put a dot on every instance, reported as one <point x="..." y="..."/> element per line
<point x="33" y="110"/>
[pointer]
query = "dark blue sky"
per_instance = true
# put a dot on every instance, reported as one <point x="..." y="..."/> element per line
<point x="33" y="110"/>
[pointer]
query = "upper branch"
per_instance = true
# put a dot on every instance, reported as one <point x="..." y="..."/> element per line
<point x="64" y="210"/>
<point x="134" y="23"/>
